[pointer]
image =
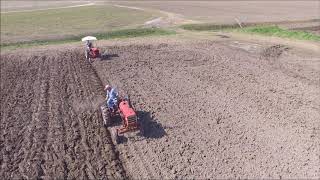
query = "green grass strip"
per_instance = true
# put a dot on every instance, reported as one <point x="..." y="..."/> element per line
<point x="125" y="33"/>
<point x="267" y="30"/>
<point x="208" y="27"/>
<point x="279" y="32"/>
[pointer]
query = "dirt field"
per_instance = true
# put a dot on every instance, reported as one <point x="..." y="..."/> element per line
<point x="226" y="11"/>
<point x="209" y="110"/>
<point x="50" y="126"/>
<point x="313" y="29"/>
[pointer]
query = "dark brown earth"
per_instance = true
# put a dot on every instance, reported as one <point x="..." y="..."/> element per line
<point x="50" y="126"/>
<point x="209" y="110"/>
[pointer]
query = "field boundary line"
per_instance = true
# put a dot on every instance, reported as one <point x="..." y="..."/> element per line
<point x="63" y="7"/>
<point x="129" y="7"/>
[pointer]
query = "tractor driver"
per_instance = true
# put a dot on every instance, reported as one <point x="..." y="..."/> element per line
<point x="111" y="96"/>
<point x="89" y="45"/>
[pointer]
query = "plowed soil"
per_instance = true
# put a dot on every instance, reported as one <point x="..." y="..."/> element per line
<point x="208" y="109"/>
<point x="50" y="124"/>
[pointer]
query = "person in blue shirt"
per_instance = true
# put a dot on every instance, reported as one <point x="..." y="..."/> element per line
<point x="111" y="96"/>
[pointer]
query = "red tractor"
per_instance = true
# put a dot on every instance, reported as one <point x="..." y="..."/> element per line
<point x="90" y="51"/>
<point x="129" y="119"/>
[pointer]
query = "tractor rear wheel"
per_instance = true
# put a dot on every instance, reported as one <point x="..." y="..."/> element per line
<point x="86" y="53"/>
<point x="88" y="56"/>
<point x="114" y="136"/>
<point x="105" y="116"/>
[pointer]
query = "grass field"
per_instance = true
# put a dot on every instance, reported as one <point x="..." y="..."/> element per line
<point x="58" y="23"/>
<point x="279" y="32"/>
<point x="208" y="27"/>
<point x="53" y="26"/>
<point x="254" y="29"/>
<point x="124" y="33"/>
<point x="26" y="5"/>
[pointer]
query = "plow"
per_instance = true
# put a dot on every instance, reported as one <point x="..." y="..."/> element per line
<point x="129" y="120"/>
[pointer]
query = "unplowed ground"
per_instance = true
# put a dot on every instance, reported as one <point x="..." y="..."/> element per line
<point x="209" y="110"/>
<point x="217" y="111"/>
<point x="226" y="11"/>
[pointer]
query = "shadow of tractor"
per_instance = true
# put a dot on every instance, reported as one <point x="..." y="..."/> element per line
<point x="150" y="127"/>
<point x="107" y="56"/>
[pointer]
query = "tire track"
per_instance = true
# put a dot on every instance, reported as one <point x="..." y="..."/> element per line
<point x="146" y="169"/>
<point x="57" y="132"/>
<point x="79" y="117"/>
<point x="36" y="136"/>
<point x="85" y="71"/>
